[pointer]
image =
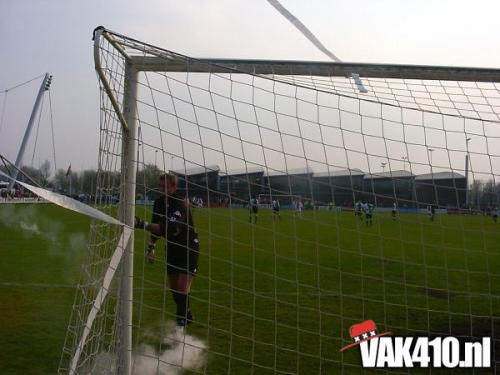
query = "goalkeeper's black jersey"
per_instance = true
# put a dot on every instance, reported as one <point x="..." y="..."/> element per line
<point x="159" y="210"/>
<point x="177" y="225"/>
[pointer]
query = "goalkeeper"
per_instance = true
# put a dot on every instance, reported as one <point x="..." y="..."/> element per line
<point x="182" y="246"/>
<point x="159" y="212"/>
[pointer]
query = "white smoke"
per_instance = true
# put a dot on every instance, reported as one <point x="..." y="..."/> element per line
<point x="184" y="352"/>
<point x="30" y="228"/>
<point x="60" y="239"/>
<point x="30" y="221"/>
<point x="180" y="351"/>
<point x="20" y="218"/>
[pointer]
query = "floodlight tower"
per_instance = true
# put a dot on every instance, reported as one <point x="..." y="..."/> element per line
<point x="429" y="152"/>
<point x="404" y="158"/>
<point x="44" y="87"/>
<point x="467" y="140"/>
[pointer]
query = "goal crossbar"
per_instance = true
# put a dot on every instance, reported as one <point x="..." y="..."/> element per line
<point x="168" y="61"/>
<point x="316" y="68"/>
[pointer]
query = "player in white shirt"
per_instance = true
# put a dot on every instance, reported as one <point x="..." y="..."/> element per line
<point x="276" y="209"/>
<point x="253" y="210"/>
<point x="394" y="211"/>
<point x="368" y="210"/>
<point x="297" y="207"/>
<point x="357" y="210"/>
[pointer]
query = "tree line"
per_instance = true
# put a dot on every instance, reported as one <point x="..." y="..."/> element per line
<point x="482" y="194"/>
<point x="86" y="182"/>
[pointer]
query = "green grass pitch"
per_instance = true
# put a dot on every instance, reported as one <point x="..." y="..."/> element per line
<point x="275" y="297"/>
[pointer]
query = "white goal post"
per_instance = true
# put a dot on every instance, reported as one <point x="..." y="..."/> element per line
<point x="434" y="130"/>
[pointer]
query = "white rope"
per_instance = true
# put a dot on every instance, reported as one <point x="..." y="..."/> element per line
<point x="312" y="38"/>
<point x="67" y="202"/>
<point x="303" y="29"/>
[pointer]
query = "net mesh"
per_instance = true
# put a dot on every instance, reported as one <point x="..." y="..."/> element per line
<point x="278" y="295"/>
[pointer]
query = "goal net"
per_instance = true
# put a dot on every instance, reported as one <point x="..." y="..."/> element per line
<point x="278" y="296"/>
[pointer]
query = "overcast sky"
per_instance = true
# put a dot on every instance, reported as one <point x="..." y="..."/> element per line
<point x="55" y="36"/>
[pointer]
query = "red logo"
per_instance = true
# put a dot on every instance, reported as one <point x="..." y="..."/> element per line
<point x="364" y="331"/>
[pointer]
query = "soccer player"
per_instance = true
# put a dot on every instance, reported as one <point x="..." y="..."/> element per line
<point x="368" y="210"/>
<point x="276" y="209"/>
<point x="394" y="211"/>
<point x="254" y="210"/>
<point x="182" y="246"/>
<point x="494" y="214"/>
<point x="297" y="206"/>
<point x="357" y="209"/>
<point x="198" y="203"/>
<point x="432" y="212"/>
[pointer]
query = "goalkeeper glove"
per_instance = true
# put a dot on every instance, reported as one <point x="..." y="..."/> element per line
<point x="150" y="253"/>
<point x="140" y="224"/>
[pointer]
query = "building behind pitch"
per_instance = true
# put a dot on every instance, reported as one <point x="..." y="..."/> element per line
<point x="333" y="188"/>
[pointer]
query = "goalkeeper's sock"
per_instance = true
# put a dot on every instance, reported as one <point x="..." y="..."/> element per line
<point x="182" y="302"/>
<point x="189" y="316"/>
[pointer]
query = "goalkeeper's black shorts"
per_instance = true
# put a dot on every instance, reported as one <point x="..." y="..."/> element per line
<point x="182" y="258"/>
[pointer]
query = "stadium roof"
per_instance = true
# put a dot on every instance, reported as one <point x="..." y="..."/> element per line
<point x="197" y="170"/>
<point x="301" y="171"/>
<point x="290" y="172"/>
<point x="238" y="172"/>
<point x="341" y="173"/>
<point x="439" y="176"/>
<point x="390" y="174"/>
